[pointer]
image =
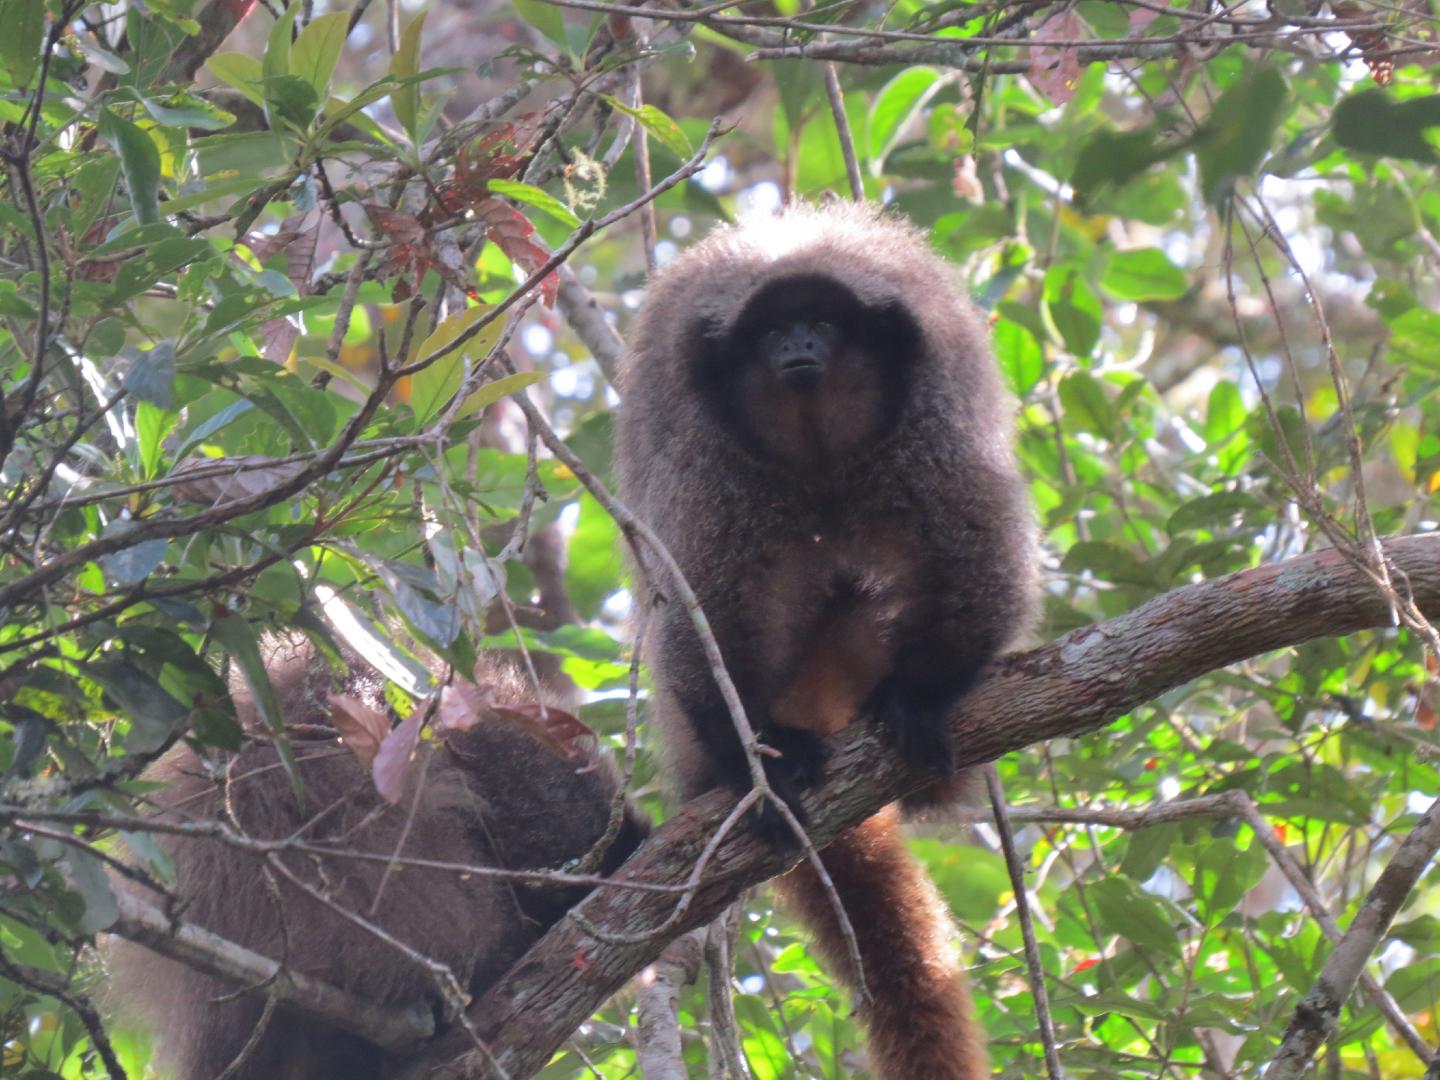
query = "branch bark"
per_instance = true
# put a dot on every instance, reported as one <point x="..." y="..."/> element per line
<point x="397" y="1029"/>
<point x="1318" y="1013"/>
<point x="1070" y="686"/>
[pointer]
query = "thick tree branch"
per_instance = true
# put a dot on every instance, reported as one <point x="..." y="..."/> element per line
<point x="1065" y="688"/>
<point x="386" y="1026"/>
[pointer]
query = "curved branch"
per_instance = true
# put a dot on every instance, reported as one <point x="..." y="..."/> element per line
<point x="1070" y="686"/>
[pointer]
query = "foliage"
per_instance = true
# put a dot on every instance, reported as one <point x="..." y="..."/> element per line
<point x="256" y="332"/>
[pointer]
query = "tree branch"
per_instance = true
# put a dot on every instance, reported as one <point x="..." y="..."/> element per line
<point x="1070" y="686"/>
<point x="1318" y="1013"/>
<point x="390" y="1027"/>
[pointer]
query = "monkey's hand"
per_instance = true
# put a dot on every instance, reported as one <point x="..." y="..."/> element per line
<point x="800" y="765"/>
<point x="916" y="716"/>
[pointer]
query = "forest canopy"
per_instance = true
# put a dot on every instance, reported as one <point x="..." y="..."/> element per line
<point x="308" y="324"/>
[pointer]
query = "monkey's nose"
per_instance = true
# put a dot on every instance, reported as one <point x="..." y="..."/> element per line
<point x="799" y="353"/>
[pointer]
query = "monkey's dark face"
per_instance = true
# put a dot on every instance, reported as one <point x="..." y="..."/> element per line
<point x="809" y="376"/>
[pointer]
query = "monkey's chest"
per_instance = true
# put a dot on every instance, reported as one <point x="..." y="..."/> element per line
<point x="840" y="633"/>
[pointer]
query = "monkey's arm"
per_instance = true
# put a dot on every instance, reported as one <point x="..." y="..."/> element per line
<point x="710" y="753"/>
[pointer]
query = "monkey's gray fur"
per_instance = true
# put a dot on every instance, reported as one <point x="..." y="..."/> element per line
<point x="493" y="795"/>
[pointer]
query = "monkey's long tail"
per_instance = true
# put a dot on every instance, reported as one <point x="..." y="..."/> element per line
<point x="921" y="1020"/>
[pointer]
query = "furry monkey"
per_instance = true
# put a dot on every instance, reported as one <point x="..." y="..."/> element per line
<point x="814" y="426"/>
<point x="495" y="794"/>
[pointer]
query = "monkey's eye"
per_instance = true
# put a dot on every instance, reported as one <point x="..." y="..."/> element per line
<point x="771" y="342"/>
<point x="827" y="331"/>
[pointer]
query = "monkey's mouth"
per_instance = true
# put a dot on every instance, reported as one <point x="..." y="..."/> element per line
<point x="801" y="372"/>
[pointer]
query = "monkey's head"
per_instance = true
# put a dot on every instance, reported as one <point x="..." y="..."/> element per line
<point x="808" y="374"/>
<point x="804" y="341"/>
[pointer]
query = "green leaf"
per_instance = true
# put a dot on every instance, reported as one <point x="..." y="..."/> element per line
<point x="276" y="60"/>
<point x="547" y="18"/>
<point x="1224" y="873"/>
<point x="1111" y="159"/>
<point x="659" y="125"/>
<point x="87" y="876"/>
<point x="1372" y="122"/>
<point x="136" y="561"/>
<point x="492" y="392"/>
<point x="1224" y="414"/>
<point x="104" y="59"/>
<point x="1415" y="338"/>
<point x="317" y="50"/>
<point x="154" y="715"/>
<point x="141" y="271"/>
<point x="1020" y="356"/>
<point x="139" y="161"/>
<point x="1087" y="405"/>
<point x="12" y="304"/>
<point x="1134" y="915"/>
<point x="1208" y="511"/>
<point x="1237" y="134"/>
<point x="531" y="195"/>
<point x="151" y="373"/>
<point x="432" y="387"/>
<point x="896" y="103"/>
<point x="290" y="100"/>
<point x="591" y="561"/>
<point x="1142" y="274"/>
<point x="1073" y="309"/>
<point x="22" y="38"/>
<point x="152" y="424"/>
<point x="1108" y="562"/>
<point x="240" y="72"/>
<point x="237" y="637"/>
<point x="182" y="109"/>
<point x="405" y="63"/>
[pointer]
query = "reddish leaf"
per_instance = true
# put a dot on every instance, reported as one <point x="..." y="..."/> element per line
<point x="556" y="728"/>
<point x="1373" y="45"/>
<point x="1054" y="71"/>
<point x="395" y="759"/>
<point x="514" y="235"/>
<point x="361" y="728"/>
<point x="398" y="227"/>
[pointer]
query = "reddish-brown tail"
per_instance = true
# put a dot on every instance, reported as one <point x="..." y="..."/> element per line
<point x="922" y="1024"/>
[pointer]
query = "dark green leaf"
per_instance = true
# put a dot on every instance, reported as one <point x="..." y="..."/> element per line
<point x="1237" y="135"/>
<point x="22" y="38"/>
<point x="1134" y="915"/>
<point x="154" y="715"/>
<point x="151" y="373"/>
<point x="1372" y="122"/>
<point x="140" y="162"/>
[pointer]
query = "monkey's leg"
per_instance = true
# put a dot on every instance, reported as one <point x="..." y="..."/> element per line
<point x="940" y="652"/>
<point x="799" y="766"/>
<point x="920" y="1017"/>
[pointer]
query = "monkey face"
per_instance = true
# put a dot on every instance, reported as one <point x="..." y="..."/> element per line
<point x="809" y="375"/>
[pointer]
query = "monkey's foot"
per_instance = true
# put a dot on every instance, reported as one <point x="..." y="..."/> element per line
<point x="800" y="766"/>
<point x="917" y="719"/>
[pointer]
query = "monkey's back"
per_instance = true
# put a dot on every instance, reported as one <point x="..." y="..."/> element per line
<point x="492" y="795"/>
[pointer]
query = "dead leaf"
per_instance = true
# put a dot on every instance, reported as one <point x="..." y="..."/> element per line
<point x="361" y="728"/>
<point x="395" y="760"/>
<point x="1055" y="71"/>
<point x="243" y="476"/>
